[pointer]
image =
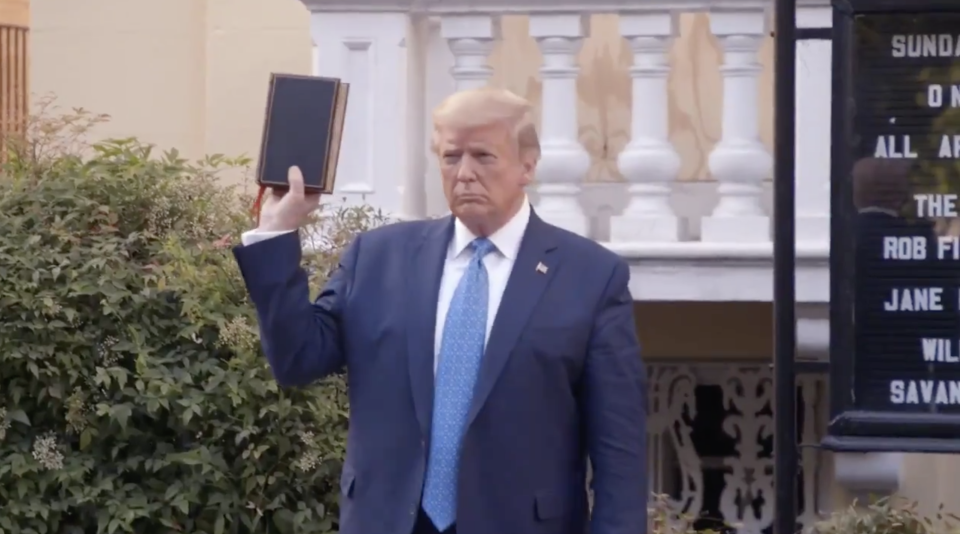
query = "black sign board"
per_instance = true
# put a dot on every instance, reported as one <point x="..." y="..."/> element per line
<point x="895" y="236"/>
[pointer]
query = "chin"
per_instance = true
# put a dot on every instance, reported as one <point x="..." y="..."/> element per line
<point x="471" y="212"/>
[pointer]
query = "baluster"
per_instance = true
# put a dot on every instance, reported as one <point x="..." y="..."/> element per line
<point x="564" y="162"/>
<point x="471" y="39"/>
<point x="649" y="162"/>
<point x="739" y="162"/>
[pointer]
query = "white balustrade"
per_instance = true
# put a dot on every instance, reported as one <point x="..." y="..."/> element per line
<point x="648" y="162"/>
<point x="471" y="39"/>
<point x="739" y="162"/>
<point x="564" y="162"/>
<point x="403" y="56"/>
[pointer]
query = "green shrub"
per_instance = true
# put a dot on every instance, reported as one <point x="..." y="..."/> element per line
<point x="662" y="518"/>
<point x="133" y="393"/>
<point x="882" y="516"/>
<point x="887" y="516"/>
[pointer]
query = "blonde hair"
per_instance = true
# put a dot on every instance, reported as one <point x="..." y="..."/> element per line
<point x="487" y="106"/>
<point x="881" y="183"/>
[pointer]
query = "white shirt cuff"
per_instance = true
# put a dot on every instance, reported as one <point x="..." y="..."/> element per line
<point x="256" y="236"/>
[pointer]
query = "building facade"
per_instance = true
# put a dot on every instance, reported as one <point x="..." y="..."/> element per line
<point x="14" y="82"/>
<point x="657" y="129"/>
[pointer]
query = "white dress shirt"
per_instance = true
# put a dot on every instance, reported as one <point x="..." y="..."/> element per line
<point x="499" y="264"/>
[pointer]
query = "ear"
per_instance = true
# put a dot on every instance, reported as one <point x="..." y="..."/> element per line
<point x="529" y="162"/>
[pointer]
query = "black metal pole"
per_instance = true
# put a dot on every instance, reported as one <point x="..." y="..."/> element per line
<point x="785" y="449"/>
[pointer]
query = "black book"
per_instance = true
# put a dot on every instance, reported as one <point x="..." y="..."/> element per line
<point x="303" y="127"/>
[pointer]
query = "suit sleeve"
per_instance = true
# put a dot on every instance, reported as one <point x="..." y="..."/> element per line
<point x="615" y="408"/>
<point x="303" y="341"/>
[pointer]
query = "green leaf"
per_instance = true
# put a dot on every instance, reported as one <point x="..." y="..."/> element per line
<point x="19" y="416"/>
<point x="86" y="437"/>
<point x="121" y="414"/>
<point x="219" y="525"/>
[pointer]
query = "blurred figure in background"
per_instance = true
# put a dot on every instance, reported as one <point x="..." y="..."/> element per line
<point x="886" y="328"/>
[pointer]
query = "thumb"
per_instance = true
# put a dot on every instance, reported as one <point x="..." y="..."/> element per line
<point x="295" y="179"/>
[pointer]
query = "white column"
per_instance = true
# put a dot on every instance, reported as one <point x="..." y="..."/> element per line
<point x="739" y="162"/>
<point x="439" y="85"/>
<point x="564" y="163"/>
<point x="368" y="51"/>
<point x="471" y="39"/>
<point x="813" y="128"/>
<point x="649" y="162"/>
<point x="414" y="188"/>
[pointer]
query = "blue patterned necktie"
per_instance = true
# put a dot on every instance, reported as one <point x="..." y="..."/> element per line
<point x="461" y="349"/>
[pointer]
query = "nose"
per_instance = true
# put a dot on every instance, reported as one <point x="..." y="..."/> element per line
<point x="466" y="172"/>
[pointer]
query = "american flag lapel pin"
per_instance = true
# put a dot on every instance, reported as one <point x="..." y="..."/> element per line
<point x="541" y="268"/>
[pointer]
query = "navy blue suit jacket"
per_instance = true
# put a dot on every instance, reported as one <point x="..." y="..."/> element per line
<point x="561" y="377"/>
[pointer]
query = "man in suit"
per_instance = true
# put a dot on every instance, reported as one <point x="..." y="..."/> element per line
<point x="488" y="352"/>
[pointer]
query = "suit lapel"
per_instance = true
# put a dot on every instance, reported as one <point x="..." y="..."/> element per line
<point x="424" y="272"/>
<point x="535" y="266"/>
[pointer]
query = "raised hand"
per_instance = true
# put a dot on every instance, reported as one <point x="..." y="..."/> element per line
<point x="284" y="211"/>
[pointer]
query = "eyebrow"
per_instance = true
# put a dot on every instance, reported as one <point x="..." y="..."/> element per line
<point x="475" y="148"/>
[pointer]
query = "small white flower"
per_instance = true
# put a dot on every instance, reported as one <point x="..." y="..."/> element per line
<point x="46" y="451"/>
<point x="308" y="461"/>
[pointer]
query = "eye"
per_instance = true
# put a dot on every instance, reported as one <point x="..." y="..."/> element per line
<point x="451" y="158"/>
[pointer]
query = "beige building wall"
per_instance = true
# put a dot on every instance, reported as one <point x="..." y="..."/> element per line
<point x="192" y="74"/>
<point x="15" y="12"/>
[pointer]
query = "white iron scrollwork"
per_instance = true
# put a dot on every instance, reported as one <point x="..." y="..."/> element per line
<point x="672" y="404"/>
<point x="741" y="495"/>
<point x="747" y="497"/>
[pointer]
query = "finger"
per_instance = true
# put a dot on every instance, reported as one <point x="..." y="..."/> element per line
<point x="313" y="200"/>
<point x="271" y="199"/>
<point x="295" y="179"/>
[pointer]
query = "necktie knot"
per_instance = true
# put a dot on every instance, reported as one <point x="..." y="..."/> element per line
<point x="481" y="247"/>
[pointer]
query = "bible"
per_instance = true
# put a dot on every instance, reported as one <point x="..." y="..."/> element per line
<point x="303" y="127"/>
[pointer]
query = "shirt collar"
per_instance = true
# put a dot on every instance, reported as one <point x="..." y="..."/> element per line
<point x="507" y="239"/>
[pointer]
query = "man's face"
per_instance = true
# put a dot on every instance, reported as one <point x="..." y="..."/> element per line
<point x="483" y="173"/>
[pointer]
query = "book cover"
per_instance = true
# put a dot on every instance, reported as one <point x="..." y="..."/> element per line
<point x="303" y="127"/>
